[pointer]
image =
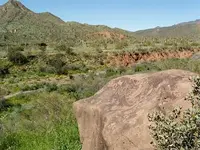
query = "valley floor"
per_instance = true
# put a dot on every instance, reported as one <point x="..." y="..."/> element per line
<point x="36" y="104"/>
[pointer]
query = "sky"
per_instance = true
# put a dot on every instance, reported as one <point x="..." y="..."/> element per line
<point x="131" y="15"/>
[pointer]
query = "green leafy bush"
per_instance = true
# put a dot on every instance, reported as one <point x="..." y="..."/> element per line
<point x="56" y="65"/>
<point x="47" y="69"/>
<point x="34" y="86"/>
<point x="4" y="68"/>
<point x="121" y="44"/>
<point x="15" y="56"/>
<point x="43" y="85"/>
<point x="143" y="67"/>
<point x="3" y="91"/>
<point x="51" y="87"/>
<point x="67" y="50"/>
<point x="180" y="130"/>
<point x="111" y="72"/>
<point x="9" y="141"/>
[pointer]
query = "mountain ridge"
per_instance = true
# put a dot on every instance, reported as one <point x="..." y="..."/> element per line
<point x="18" y="24"/>
<point x="189" y="29"/>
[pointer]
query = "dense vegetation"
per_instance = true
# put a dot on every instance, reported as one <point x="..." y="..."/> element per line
<point x="37" y="94"/>
<point x="179" y="130"/>
<point x="42" y="72"/>
<point x="19" y="25"/>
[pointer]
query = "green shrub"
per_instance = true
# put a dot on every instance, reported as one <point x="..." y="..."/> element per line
<point x="99" y="50"/>
<point x="67" y="50"/>
<point x="174" y="63"/>
<point x="111" y="72"/>
<point x="51" y="87"/>
<point x="47" y="69"/>
<point x="179" y="130"/>
<point x="121" y="70"/>
<point x="77" y="67"/>
<point x="121" y="44"/>
<point x="57" y="64"/>
<point x="17" y="101"/>
<point x="17" y="48"/>
<point x="61" y="47"/>
<point x="64" y="70"/>
<point x="147" y="43"/>
<point x="195" y="44"/>
<point x="16" y="57"/>
<point x="42" y="46"/>
<point x="3" y="91"/>
<point x="82" y="87"/>
<point x="143" y="67"/>
<point x="9" y="141"/>
<point x="4" y="68"/>
<point x="70" y="88"/>
<point x="34" y="86"/>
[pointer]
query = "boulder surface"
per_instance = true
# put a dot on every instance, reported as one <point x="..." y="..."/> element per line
<point x="115" y="118"/>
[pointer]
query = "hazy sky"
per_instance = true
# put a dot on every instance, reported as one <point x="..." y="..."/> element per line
<point x="127" y="14"/>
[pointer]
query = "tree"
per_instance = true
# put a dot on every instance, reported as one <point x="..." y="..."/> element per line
<point x="181" y="129"/>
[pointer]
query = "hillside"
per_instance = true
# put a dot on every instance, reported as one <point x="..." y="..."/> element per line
<point x="187" y="29"/>
<point x="21" y="25"/>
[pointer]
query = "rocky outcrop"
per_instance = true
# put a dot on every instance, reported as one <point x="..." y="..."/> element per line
<point x="115" y="118"/>
<point x="129" y="59"/>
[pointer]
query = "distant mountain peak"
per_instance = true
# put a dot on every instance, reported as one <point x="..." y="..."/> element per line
<point x="12" y="1"/>
<point x="15" y="4"/>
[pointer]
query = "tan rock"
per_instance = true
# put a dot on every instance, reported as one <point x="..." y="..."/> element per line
<point x="115" y="118"/>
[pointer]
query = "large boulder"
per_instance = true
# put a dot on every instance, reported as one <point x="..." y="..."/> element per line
<point x="115" y="118"/>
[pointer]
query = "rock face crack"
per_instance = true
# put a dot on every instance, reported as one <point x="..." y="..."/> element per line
<point x="116" y="117"/>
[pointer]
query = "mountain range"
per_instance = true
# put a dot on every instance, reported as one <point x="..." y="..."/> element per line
<point x="19" y="24"/>
<point x="189" y="30"/>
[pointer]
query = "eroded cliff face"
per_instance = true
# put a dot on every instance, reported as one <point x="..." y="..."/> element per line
<point x="128" y="58"/>
<point x="115" y="118"/>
